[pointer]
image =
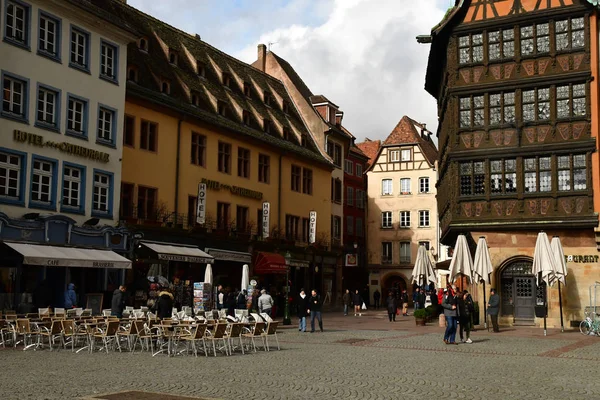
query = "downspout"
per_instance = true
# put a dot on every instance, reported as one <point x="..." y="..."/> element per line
<point x="279" y="195"/>
<point x="176" y="210"/>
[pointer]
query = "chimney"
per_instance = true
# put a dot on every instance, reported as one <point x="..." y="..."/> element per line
<point x="424" y="130"/>
<point x="338" y="118"/>
<point x="262" y="57"/>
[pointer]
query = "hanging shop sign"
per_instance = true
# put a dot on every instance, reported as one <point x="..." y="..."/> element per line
<point x="265" y="219"/>
<point x="312" y="230"/>
<point x="351" y="260"/>
<point x="73" y="149"/>
<point x="581" y="259"/>
<point x="201" y="204"/>
<point x="236" y="190"/>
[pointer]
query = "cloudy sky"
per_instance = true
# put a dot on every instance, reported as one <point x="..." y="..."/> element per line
<point x="361" y="54"/>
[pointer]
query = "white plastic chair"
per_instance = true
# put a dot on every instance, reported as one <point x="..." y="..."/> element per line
<point x="78" y="312"/>
<point x="106" y="313"/>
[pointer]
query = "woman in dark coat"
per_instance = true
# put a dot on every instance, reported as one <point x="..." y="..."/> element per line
<point x="465" y="310"/>
<point x="358" y="301"/>
<point x="392" y="306"/>
<point x="164" y="305"/>
<point x="302" y="305"/>
<point x="230" y="303"/>
<point x="241" y="300"/>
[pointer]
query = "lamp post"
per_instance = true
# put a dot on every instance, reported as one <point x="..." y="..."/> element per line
<point x="286" y="311"/>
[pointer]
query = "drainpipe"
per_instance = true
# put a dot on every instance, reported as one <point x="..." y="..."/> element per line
<point x="176" y="210"/>
<point x="279" y="195"/>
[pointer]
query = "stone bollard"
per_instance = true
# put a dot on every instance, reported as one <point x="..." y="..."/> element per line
<point x="442" y="321"/>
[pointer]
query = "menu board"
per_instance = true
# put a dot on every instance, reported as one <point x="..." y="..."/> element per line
<point x="94" y="302"/>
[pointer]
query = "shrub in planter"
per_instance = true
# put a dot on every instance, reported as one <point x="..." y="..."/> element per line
<point x="421" y="316"/>
<point x="432" y="311"/>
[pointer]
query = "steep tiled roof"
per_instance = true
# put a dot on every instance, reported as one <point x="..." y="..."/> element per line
<point x="370" y="148"/>
<point x="100" y="12"/>
<point x="321" y="99"/>
<point x="153" y="67"/>
<point x="357" y="151"/>
<point x="408" y="131"/>
<point x="295" y="78"/>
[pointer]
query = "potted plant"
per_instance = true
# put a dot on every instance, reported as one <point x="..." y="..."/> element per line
<point x="421" y="316"/>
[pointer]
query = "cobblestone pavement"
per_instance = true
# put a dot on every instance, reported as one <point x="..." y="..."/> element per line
<point x="364" y="358"/>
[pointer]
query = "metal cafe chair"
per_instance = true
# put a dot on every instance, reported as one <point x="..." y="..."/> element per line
<point x="271" y="331"/>
<point x="256" y="332"/>
<point x="235" y="332"/>
<point x="55" y="332"/>
<point x="108" y="336"/>
<point x="24" y="330"/>
<point x="219" y="334"/>
<point x="197" y="335"/>
<point x="70" y="333"/>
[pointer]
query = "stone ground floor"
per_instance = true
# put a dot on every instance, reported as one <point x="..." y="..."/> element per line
<point x="355" y="358"/>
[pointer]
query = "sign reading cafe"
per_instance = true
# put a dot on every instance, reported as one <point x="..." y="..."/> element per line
<point x="312" y="230"/>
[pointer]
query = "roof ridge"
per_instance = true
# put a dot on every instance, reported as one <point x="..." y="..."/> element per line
<point x="297" y="74"/>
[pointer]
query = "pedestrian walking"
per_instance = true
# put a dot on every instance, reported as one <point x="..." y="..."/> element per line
<point x="421" y="298"/>
<point x="376" y="298"/>
<point x="220" y="298"/>
<point x="230" y="302"/>
<point x="70" y="296"/>
<point x="404" y="300"/>
<point x="302" y="310"/>
<point x="347" y="300"/>
<point x="357" y="300"/>
<point x="415" y="298"/>
<point x="314" y="309"/>
<point x="465" y="314"/>
<point x="117" y="304"/>
<point x="265" y="303"/>
<point x="451" y="313"/>
<point x="493" y="309"/>
<point x="392" y="306"/>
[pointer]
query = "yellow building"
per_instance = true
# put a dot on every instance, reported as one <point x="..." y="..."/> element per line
<point x="197" y="115"/>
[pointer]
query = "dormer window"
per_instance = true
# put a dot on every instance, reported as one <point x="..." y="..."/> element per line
<point x="132" y="74"/>
<point x="201" y="68"/>
<point x="222" y="108"/>
<point x="165" y="87"/>
<point x="286" y="107"/>
<point x="267" y="97"/>
<point x="172" y="56"/>
<point x="267" y="125"/>
<point x="143" y="44"/>
<point x="246" y="117"/>
<point x="195" y="99"/>
<point x="286" y="134"/>
<point x="247" y="90"/>
<point x="227" y="79"/>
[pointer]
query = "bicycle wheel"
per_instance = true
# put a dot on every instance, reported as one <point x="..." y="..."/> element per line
<point x="585" y="327"/>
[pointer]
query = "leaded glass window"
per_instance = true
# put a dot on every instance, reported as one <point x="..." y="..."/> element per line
<point x="501" y="44"/>
<point x="503" y="178"/>
<point x="570" y="34"/>
<point x="527" y="47"/>
<point x="502" y="108"/>
<point x="572" y="172"/>
<point x="579" y="172"/>
<point x="564" y="173"/>
<point x="472" y="178"/>
<point x="470" y="48"/>
<point x="571" y="101"/>
<point x="536" y="104"/>
<point x="543" y="38"/>
<point x="472" y="111"/>
<point x="535" y="39"/>
<point x="538" y="174"/>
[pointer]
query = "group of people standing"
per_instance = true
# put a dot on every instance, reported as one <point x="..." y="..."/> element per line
<point x="309" y="307"/>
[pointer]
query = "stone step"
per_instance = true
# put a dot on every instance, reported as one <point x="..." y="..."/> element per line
<point x="524" y="322"/>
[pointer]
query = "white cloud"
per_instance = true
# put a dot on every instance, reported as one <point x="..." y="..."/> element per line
<point x="364" y="57"/>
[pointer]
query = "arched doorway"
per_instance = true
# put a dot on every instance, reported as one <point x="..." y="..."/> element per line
<point x="519" y="292"/>
<point x="392" y="283"/>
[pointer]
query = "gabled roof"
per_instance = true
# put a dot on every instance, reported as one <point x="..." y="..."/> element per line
<point x="408" y="131"/>
<point x="153" y="67"/>
<point x="318" y="99"/>
<point x="370" y="148"/>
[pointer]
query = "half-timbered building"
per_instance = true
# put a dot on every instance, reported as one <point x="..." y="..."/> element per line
<point x="517" y="104"/>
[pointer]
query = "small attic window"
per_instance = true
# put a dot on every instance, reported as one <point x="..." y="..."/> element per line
<point x="267" y="125"/>
<point x="173" y="56"/>
<point x="143" y="44"/>
<point x="222" y="108"/>
<point x="304" y="141"/>
<point x="286" y="134"/>
<point x="246" y="117"/>
<point x="286" y="107"/>
<point x="247" y="89"/>
<point x="201" y="68"/>
<point x="195" y="99"/>
<point x="132" y="73"/>
<point x="165" y="87"/>
<point x="267" y="97"/>
<point x="226" y="79"/>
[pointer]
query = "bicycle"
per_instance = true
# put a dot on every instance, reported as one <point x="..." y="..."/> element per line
<point x="590" y="326"/>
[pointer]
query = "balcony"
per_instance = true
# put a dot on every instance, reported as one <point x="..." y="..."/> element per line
<point x="405" y="260"/>
<point x="386" y="260"/>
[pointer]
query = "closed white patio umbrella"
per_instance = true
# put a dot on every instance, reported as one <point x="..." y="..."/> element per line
<point x="423" y="270"/>
<point x="543" y="265"/>
<point x="482" y="269"/>
<point x="461" y="263"/>
<point x="561" y="272"/>
<point x="208" y="275"/>
<point x="245" y="277"/>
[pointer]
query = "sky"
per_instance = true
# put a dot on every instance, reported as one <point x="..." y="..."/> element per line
<point x="361" y="54"/>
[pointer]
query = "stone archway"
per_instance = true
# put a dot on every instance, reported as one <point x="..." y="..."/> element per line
<point x="518" y="290"/>
<point x="394" y="282"/>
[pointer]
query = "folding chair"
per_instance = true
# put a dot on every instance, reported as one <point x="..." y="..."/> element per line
<point x="235" y="332"/>
<point x="256" y="332"/>
<point x="70" y="333"/>
<point x="108" y="336"/>
<point x="55" y="332"/>
<point x="271" y="331"/>
<point x="24" y="330"/>
<point x="198" y="335"/>
<point x="106" y="313"/>
<point x="219" y="334"/>
<point x="59" y="312"/>
<point x="129" y="333"/>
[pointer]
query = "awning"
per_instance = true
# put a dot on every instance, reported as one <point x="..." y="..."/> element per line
<point x="270" y="263"/>
<point x="173" y="252"/>
<point x="228" y="255"/>
<point x="55" y="256"/>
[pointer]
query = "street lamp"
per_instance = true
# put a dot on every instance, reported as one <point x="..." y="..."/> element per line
<point x="286" y="311"/>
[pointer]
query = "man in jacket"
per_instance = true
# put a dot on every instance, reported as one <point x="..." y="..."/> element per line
<point x="358" y="301"/>
<point x="415" y="298"/>
<point x="118" y="302"/>
<point x="302" y="309"/>
<point x="70" y="297"/>
<point x="265" y="303"/>
<point x="404" y="300"/>
<point x="376" y="298"/>
<point x="347" y="300"/>
<point x="451" y="313"/>
<point x="494" y="308"/>
<point x="392" y="306"/>
<point x="314" y="309"/>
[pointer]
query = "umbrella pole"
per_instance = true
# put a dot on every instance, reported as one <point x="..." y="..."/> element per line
<point x="545" y="308"/>
<point x="485" y="324"/>
<point x="562" y="326"/>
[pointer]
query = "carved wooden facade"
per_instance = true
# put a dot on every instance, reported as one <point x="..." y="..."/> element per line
<point x="515" y="112"/>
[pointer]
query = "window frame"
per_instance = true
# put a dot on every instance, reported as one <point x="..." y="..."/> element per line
<point x="22" y="180"/>
<point x="296" y="178"/>
<point x="359" y="228"/>
<point x="242" y="213"/>
<point x="147" y="133"/>
<point x="307" y="181"/>
<point x="503" y="107"/>
<point x="472" y="175"/>
<point x="470" y="46"/>
<point x="115" y="47"/>
<point x="424" y="181"/>
<point x="82" y="188"/>
<point x="536" y="171"/>
<point x="51" y="204"/>
<point x="502" y="41"/>
<point x="391" y="189"/>
<point x="387" y="220"/>
<point x="84" y="117"/>
<point x="572" y="170"/>
<point x="264" y="168"/>
<point x="359" y="170"/>
<point x="57" y="108"/>
<point x="472" y="110"/>
<point x="57" y="55"/>
<point x="110" y="195"/>
<point x="536" y="104"/>
<point x="126" y="141"/>
<point x="571" y="98"/>
<point x="349" y="224"/>
<point x="402" y="246"/>
<point x="87" y="47"/>
<point x="224" y="157"/>
<point x="360" y="199"/>
<point x="422" y="215"/>
<point x="112" y="142"/>
<point x="394" y="156"/>
<point x="503" y="174"/>
<point x="26" y="42"/>
<point x="198" y="149"/>
<point x="336" y="227"/>
<point x="402" y="182"/>
<point x="24" y="96"/>
<point x="348" y="163"/>
<point x="292" y="227"/>
<point x="404" y="219"/>
<point x="222" y="221"/>
<point x="350" y="196"/>
<point x="569" y="32"/>
<point x="535" y="37"/>
<point x="403" y="152"/>
<point x="148" y="212"/>
<point x="243" y="162"/>
<point x="387" y="253"/>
